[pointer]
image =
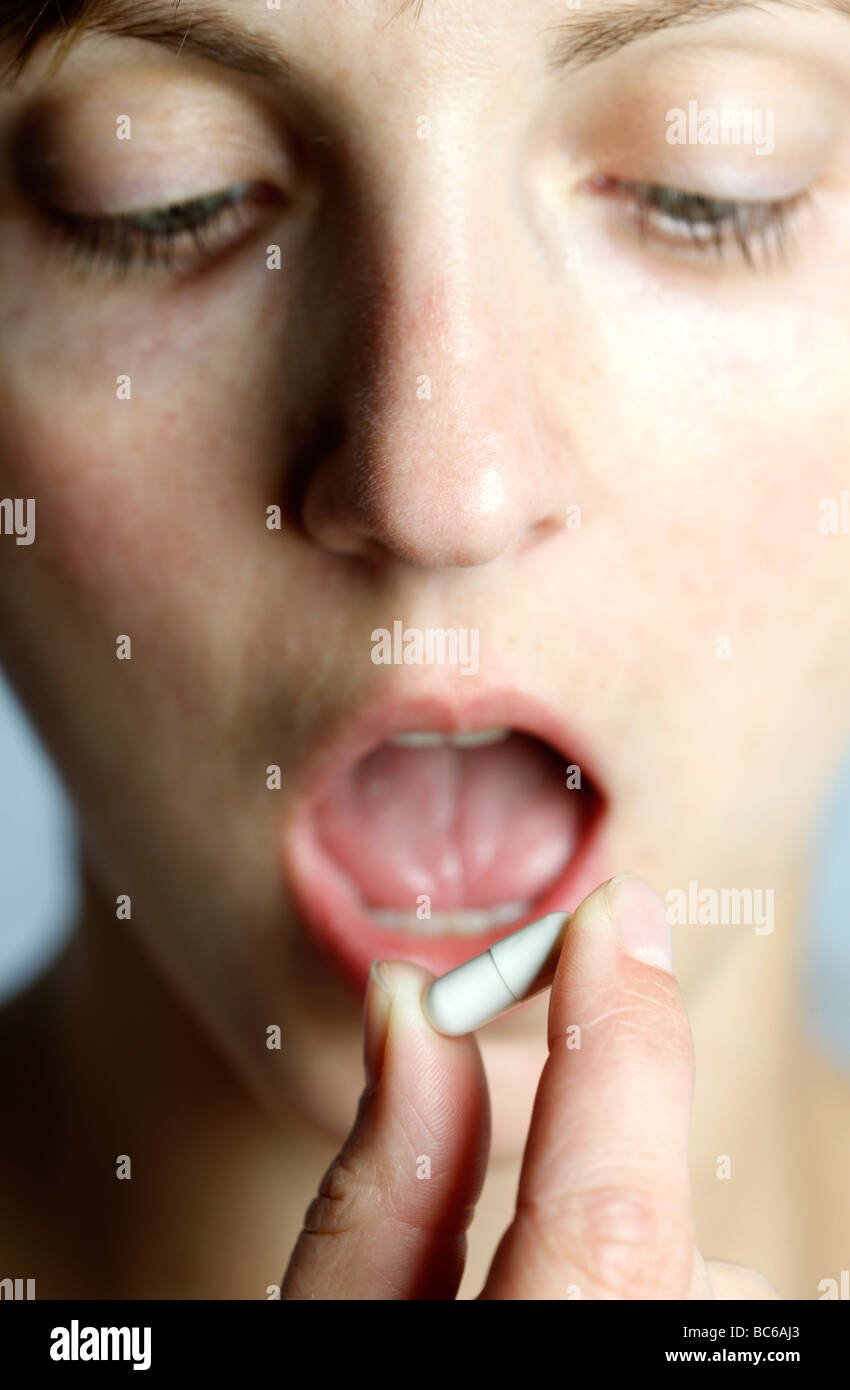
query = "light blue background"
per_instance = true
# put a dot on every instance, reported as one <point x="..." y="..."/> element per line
<point x="39" y="892"/>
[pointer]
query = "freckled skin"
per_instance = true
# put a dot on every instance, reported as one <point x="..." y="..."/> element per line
<point x="551" y="388"/>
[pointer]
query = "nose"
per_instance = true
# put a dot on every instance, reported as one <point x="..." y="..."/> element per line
<point x="443" y="460"/>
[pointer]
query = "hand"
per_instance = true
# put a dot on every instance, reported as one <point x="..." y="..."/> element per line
<point x="604" y="1204"/>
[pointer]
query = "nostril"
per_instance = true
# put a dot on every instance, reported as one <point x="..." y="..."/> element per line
<point x="313" y="441"/>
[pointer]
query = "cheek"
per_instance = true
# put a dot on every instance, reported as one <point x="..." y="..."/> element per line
<point x="110" y="542"/>
<point x="128" y="551"/>
<point x="142" y="550"/>
<point x="104" y="531"/>
<point x="150" y="512"/>
<point x="131" y="480"/>
<point x="132" y="496"/>
<point x="748" y="422"/>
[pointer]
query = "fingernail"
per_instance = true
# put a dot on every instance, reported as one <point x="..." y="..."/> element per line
<point x="639" y="918"/>
<point x="376" y="1016"/>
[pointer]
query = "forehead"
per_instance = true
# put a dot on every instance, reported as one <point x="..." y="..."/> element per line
<point x="243" y="33"/>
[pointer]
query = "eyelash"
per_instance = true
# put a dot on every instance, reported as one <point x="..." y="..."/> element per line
<point x="696" y="222"/>
<point x="121" y="244"/>
<point x="152" y="237"/>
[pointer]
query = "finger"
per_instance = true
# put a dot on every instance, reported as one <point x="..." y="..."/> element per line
<point x="392" y="1211"/>
<point x="701" y="1286"/>
<point x="738" y="1281"/>
<point x="604" y="1208"/>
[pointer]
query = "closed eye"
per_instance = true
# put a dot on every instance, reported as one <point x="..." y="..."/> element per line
<point x="679" y="219"/>
<point x="177" y="236"/>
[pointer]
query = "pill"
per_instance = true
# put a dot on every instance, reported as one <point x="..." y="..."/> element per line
<point x="509" y="971"/>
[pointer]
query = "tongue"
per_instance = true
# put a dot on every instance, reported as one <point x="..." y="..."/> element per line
<point x="470" y="827"/>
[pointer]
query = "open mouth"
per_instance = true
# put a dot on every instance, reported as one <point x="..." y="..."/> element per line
<point x="429" y="844"/>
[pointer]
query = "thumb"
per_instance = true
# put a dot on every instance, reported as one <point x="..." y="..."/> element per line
<point x="391" y="1216"/>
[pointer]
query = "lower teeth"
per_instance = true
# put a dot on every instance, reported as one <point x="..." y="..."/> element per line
<point x="462" y="921"/>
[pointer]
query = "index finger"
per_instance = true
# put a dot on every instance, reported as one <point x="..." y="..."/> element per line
<point x="604" y="1206"/>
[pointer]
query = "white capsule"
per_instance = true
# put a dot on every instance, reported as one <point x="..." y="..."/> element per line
<point x="510" y="971"/>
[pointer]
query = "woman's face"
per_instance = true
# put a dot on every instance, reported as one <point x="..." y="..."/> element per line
<point x="500" y="383"/>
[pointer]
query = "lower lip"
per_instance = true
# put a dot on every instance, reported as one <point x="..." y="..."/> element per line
<point x="335" y="920"/>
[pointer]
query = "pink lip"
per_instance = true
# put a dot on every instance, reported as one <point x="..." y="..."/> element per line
<point x="326" y="900"/>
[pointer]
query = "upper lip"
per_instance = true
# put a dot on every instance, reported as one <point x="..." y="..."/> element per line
<point x="348" y="736"/>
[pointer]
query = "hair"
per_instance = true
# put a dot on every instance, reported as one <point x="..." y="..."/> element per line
<point x="30" y="22"/>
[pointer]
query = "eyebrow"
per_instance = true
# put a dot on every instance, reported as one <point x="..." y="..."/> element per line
<point x="214" y="35"/>
<point x="207" y="32"/>
<point x="581" y="39"/>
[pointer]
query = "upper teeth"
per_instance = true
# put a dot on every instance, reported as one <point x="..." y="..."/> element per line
<point x="423" y="738"/>
<point x="459" y="921"/>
